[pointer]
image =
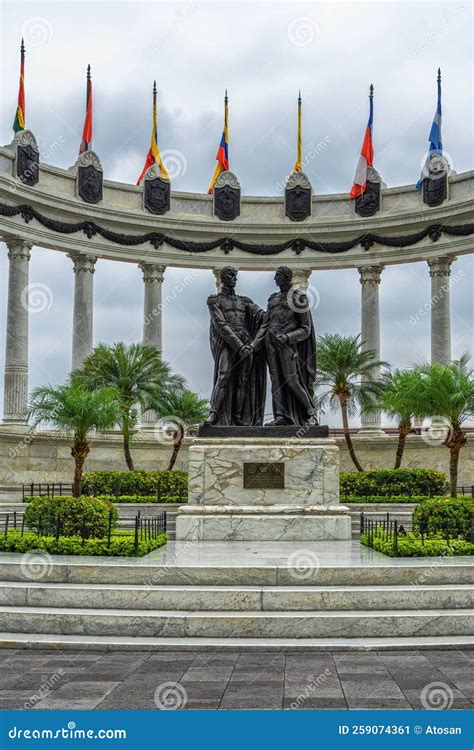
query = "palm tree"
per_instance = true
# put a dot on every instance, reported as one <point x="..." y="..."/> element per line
<point x="395" y="402"/>
<point x="75" y="409"/>
<point x="181" y="410"/>
<point x="446" y="392"/>
<point x="346" y="372"/>
<point x="138" y="376"/>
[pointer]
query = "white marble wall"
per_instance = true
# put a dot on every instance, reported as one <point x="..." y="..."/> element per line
<point x="216" y="471"/>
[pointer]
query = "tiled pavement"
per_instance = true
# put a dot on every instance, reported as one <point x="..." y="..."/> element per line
<point x="137" y="680"/>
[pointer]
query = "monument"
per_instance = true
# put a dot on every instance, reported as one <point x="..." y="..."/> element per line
<point x="249" y="482"/>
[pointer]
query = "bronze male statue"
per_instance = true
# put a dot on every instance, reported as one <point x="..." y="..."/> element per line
<point x="287" y="335"/>
<point x="238" y="395"/>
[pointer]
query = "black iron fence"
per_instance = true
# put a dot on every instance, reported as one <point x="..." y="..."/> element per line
<point x="47" y="489"/>
<point x="391" y="529"/>
<point x="143" y="528"/>
<point x="56" y="489"/>
<point x="465" y="489"/>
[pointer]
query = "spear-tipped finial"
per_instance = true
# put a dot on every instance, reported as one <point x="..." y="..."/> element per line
<point x="371" y="90"/>
<point x="299" y="96"/>
<point x="22" y="46"/>
<point x="226" y="98"/>
<point x="88" y="72"/>
<point x="154" y="88"/>
<point x="439" y="75"/>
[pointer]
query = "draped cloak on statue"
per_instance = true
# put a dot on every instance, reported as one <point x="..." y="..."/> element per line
<point x="226" y="338"/>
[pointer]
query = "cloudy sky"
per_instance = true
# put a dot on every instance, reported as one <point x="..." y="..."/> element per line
<point x="262" y="52"/>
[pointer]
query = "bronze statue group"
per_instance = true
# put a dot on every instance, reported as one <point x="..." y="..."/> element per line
<point x="245" y="340"/>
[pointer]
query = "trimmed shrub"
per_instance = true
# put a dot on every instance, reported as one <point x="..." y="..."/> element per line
<point x="443" y="515"/>
<point x="393" y="482"/>
<point x="120" y="546"/>
<point x="150" y="499"/>
<point x="382" y="499"/>
<point x="79" y="516"/>
<point x="410" y="546"/>
<point x="136" y="482"/>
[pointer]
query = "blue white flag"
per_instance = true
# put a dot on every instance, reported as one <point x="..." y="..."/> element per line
<point x="436" y="145"/>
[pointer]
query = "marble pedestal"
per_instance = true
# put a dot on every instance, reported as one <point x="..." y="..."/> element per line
<point x="303" y="506"/>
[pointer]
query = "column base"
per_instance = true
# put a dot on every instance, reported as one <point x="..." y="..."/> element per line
<point x="371" y="431"/>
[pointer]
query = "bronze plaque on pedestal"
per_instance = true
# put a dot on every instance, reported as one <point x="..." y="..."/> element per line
<point x="261" y="476"/>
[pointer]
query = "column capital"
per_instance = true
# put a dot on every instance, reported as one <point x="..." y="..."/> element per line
<point x="370" y="274"/>
<point x="83" y="262"/>
<point x="440" y="266"/>
<point x="18" y="248"/>
<point x="152" y="272"/>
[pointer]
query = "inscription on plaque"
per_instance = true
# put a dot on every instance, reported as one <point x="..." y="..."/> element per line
<point x="269" y="476"/>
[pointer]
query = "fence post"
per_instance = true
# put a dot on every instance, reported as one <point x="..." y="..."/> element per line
<point x="6" y="523"/>
<point x="362" y="522"/>
<point x="395" y="535"/>
<point x="23" y="525"/>
<point x="137" y="521"/>
<point x="58" y="528"/>
<point x="447" y="532"/>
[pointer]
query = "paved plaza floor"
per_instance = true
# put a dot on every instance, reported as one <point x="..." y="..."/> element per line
<point x="36" y="680"/>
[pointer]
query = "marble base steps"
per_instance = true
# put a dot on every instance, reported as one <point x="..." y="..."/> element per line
<point x="126" y="605"/>
<point x="222" y="645"/>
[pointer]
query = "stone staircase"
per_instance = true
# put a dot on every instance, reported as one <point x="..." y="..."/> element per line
<point x="130" y="604"/>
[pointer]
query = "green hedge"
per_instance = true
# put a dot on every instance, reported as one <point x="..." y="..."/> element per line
<point x="150" y="499"/>
<point x="393" y="482"/>
<point x="411" y="546"/>
<point x="79" y="516"/>
<point x="383" y="499"/>
<point x="120" y="546"/>
<point x="441" y="515"/>
<point x="137" y="482"/>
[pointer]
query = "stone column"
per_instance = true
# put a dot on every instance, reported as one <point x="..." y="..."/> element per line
<point x="16" y="354"/>
<point x="370" y="334"/>
<point x="440" y="269"/>
<point x="301" y="279"/>
<point x="217" y="276"/>
<point x="153" y="275"/>
<point x="83" y="316"/>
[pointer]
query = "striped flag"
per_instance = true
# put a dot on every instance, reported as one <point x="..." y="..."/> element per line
<point x="222" y="155"/>
<point x="153" y="155"/>
<point x="87" y="132"/>
<point x="20" y="115"/>
<point x="299" y="149"/>
<point x="436" y="146"/>
<point x="366" y="158"/>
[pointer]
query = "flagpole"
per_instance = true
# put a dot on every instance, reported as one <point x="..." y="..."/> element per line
<point x="299" y="148"/>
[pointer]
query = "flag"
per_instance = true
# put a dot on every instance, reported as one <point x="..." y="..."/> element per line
<point x="87" y="132"/>
<point x="20" y="115"/>
<point x="299" y="155"/>
<point x="366" y="158"/>
<point x="222" y="155"/>
<point x="153" y="155"/>
<point x="436" y="146"/>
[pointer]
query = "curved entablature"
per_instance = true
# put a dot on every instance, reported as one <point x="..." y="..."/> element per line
<point x="53" y="213"/>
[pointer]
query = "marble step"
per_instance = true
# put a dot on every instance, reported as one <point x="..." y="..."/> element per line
<point x="49" y="641"/>
<point x="16" y="567"/>
<point x="236" y="598"/>
<point x="229" y="624"/>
